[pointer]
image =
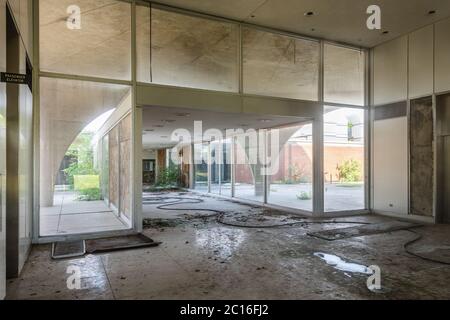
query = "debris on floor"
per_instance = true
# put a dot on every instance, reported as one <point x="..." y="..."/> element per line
<point x="129" y="242"/>
<point x="68" y="249"/>
<point x="363" y="230"/>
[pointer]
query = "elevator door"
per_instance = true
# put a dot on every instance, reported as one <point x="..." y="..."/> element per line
<point x="444" y="189"/>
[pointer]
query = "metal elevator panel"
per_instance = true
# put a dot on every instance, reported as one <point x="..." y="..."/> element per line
<point x="443" y="158"/>
<point x="444" y="189"/>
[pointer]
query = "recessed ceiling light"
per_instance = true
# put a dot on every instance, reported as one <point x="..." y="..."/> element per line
<point x="183" y="114"/>
<point x="309" y="13"/>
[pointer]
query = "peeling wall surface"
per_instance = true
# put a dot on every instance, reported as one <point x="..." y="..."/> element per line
<point x="125" y="127"/>
<point x="114" y="167"/>
<point x="422" y="157"/>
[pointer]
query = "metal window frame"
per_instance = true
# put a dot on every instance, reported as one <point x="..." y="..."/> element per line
<point x="136" y="172"/>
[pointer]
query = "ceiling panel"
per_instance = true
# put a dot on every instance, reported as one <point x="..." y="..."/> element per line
<point x="342" y="20"/>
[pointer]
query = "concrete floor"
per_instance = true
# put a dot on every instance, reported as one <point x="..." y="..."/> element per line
<point x="69" y="216"/>
<point x="202" y="259"/>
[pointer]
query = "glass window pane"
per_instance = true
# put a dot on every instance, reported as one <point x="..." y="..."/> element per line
<point x="143" y="37"/>
<point x="93" y="41"/>
<point x="344" y="75"/>
<point x="249" y="181"/>
<point x="225" y="171"/>
<point x="291" y="183"/>
<point x="193" y="52"/>
<point x="201" y="167"/>
<point x="85" y="157"/>
<point x="344" y="159"/>
<point x="280" y="66"/>
<point x="216" y="166"/>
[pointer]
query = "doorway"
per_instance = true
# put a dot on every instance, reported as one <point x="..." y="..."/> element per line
<point x="149" y="172"/>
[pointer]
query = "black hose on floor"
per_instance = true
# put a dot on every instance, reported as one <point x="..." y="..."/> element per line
<point x="162" y="204"/>
<point x="415" y="240"/>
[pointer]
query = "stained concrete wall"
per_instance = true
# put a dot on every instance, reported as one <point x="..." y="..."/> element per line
<point x="421" y="157"/>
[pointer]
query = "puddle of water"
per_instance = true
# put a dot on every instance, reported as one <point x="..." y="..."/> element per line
<point x="225" y="242"/>
<point x="341" y="265"/>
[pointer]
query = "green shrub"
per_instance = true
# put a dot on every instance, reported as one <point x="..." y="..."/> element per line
<point x="92" y="194"/>
<point x="83" y="182"/>
<point x="350" y="171"/>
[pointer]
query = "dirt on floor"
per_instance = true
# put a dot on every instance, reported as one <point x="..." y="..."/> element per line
<point x="247" y="252"/>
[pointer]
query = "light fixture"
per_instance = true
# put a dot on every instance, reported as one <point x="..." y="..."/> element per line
<point x="183" y="114"/>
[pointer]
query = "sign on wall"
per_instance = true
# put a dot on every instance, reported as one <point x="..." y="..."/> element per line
<point x="16" y="78"/>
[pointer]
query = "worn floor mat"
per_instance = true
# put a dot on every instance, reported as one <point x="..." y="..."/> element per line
<point x="68" y="249"/>
<point x="119" y="243"/>
<point x="365" y="230"/>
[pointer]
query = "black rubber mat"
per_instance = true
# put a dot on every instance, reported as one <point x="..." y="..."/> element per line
<point x="119" y="243"/>
<point x="68" y="249"/>
<point x="364" y="230"/>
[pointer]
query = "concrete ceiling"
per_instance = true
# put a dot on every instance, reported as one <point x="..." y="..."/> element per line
<point x="337" y="20"/>
<point x="162" y="122"/>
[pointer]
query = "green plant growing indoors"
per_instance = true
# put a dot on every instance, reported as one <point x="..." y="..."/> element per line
<point x="168" y="178"/>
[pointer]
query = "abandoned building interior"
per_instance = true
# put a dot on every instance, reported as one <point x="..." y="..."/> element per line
<point x="258" y="149"/>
